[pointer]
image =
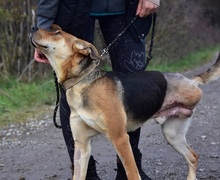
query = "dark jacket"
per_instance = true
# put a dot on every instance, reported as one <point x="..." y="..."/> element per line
<point x="72" y="16"/>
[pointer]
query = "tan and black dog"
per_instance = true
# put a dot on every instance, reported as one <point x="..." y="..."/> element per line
<point x="113" y="103"/>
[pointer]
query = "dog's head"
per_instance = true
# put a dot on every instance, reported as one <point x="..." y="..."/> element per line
<point x="67" y="54"/>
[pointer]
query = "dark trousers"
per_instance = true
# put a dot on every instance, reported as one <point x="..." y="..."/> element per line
<point x="127" y="55"/>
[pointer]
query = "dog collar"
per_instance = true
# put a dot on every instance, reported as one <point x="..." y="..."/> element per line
<point x="73" y="81"/>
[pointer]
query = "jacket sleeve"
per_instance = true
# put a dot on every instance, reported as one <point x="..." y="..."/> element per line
<point x="157" y="2"/>
<point x="46" y="12"/>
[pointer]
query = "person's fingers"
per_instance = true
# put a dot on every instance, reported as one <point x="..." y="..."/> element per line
<point x="145" y="8"/>
<point x="139" y="7"/>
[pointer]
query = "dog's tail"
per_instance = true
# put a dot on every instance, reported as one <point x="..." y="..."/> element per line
<point x="212" y="74"/>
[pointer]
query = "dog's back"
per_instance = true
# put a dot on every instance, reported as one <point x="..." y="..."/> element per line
<point x="143" y="92"/>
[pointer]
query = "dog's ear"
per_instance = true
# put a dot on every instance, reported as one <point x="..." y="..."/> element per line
<point x="55" y="27"/>
<point x="86" y="49"/>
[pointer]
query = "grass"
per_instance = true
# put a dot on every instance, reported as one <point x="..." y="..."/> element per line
<point x="190" y="61"/>
<point x="22" y="101"/>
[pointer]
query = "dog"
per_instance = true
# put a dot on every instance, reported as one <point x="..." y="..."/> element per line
<point x="113" y="103"/>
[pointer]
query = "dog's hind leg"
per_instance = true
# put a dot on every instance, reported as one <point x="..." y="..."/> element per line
<point x="175" y="131"/>
<point x="82" y="135"/>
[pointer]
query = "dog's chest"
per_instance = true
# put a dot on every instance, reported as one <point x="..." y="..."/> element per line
<point x="77" y="103"/>
<point x="75" y="98"/>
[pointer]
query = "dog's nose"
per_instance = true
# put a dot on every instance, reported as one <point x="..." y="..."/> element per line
<point x="33" y="29"/>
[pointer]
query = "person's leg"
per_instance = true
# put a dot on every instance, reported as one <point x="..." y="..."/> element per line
<point x="90" y="30"/>
<point x="65" y="124"/>
<point x="128" y="56"/>
<point x="128" y="52"/>
<point x="73" y="20"/>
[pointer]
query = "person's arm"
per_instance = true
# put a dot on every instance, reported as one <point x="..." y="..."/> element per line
<point x="147" y="7"/>
<point x="46" y="12"/>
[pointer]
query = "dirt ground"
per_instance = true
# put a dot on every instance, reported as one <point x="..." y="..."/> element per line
<point x="35" y="150"/>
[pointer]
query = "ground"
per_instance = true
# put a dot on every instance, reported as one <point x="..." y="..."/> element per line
<point x="35" y="150"/>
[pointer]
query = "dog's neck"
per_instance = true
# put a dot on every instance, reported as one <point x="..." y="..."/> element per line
<point x="86" y="74"/>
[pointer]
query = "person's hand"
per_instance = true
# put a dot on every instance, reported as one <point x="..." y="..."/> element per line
<point x="145" y="8"/>
<point x="39" y="57"/>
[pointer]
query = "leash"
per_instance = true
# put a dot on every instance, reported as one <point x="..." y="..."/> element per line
<point x="105" y="51"/>
<point x="57" y="100"/>
<point x="154" y="19"/>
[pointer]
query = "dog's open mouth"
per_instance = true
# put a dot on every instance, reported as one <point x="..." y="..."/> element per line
<point x="42" y="57"/>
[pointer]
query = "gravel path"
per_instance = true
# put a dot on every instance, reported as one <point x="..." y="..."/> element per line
<point x="35" y="150"/>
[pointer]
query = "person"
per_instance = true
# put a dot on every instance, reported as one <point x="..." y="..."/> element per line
<point x="127" y="54"/>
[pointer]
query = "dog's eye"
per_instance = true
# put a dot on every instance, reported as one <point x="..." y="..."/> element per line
<point x="57" y="32"/>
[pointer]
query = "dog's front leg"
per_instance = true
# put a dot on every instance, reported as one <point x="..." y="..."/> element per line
<point x="82" y="138"/>
<point x="124" y="151"/>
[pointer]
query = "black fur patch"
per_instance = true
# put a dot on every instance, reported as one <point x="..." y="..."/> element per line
<point x="144" y="92"/>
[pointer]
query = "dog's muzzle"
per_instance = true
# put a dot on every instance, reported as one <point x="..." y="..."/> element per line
<point x="33" y="30"/>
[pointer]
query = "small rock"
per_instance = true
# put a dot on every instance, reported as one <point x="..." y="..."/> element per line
<point x="214" y="107"/>
<point x="203" y="137"/>
<point x="201" y="170"/>
<point x="157" y="171"/>
<point x="214" y="156"/>
<point x="159" y="163"/>
<point x="202" y="112"/>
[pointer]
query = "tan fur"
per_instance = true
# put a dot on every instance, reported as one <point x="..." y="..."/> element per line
<point x="96" y="102"/>
<point x="211" y="74"/>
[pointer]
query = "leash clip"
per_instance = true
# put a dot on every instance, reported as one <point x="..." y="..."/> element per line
<point x="105" y="51"/>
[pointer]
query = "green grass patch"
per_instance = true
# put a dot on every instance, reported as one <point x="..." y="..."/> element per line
<point x="190" y="61"/>
<point x="22" y="101"/>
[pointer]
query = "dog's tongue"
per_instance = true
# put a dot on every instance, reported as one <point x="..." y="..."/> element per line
<point x="41" y="57"/>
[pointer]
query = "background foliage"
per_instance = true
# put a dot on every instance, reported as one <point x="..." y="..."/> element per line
<point x="183" y="27"/>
